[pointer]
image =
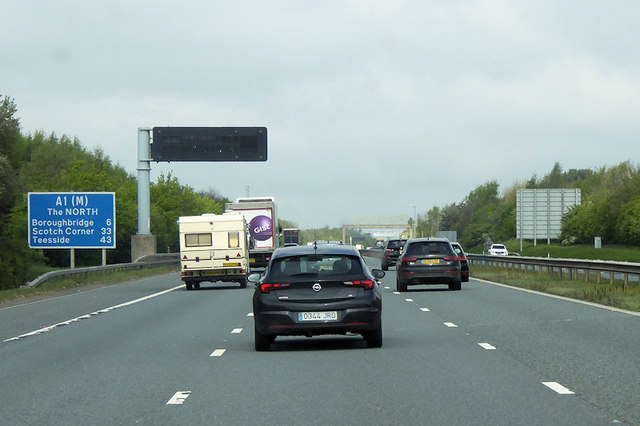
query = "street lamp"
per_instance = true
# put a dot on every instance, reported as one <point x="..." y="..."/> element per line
<point x="411" y="204"/>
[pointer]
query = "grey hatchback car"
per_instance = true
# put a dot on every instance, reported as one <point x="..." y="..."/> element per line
<point x="314" y="290"/>
<point x="428" y="261"/>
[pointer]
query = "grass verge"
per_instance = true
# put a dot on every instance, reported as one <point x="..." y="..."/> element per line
<point x="53" y="286"/>
<point x="615" y="295"/>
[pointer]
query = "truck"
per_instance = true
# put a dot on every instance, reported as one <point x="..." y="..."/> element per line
<point x="262" y="222"/>
<point x="291" y="236"/>
<point x="213" y="248"/>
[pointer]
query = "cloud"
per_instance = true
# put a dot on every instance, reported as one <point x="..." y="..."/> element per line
<point x="369" y="105"/>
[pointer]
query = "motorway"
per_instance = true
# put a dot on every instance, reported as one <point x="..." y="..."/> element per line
<point x="149" y="352"/>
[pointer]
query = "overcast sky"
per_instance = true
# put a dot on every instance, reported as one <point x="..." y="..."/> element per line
<point x="370" y="105"/>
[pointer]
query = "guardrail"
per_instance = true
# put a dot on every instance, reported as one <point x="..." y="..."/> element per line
<point x="144" y="262"/>
<point x="573" y="267"/>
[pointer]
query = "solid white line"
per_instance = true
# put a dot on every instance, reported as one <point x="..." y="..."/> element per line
<point x="558" y="388"/>
<point x="250" y="314"/>
<point x="425" y="309"/>
<point x="218" y="352"/>
<point x="450" y="324"/>
<point x="179" y="397"/>
<point x="396" y="292"/>
<point x="555" y="296"/>
<point x="409" y="300"/>
<point x="387" y="288"/>
<point x="236" y="331"/>
<point x="487" y="346"/>
<point x="67" y="322"/>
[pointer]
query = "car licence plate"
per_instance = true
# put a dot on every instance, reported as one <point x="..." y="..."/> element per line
<point x="252" y="260"/>
<point x="231" y="264"/>
<point x="318" y="316"/>
<point x="430" y="261"/>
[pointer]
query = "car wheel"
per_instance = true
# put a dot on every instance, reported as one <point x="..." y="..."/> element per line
<point x="400" y="286"/>
<point x="374" y="337"/>
<point x="385" y="267"/>
<point x="196" y="286"/>
<point x="189" y="286"/>
<point x="262" y="341"/>
<point x="455" y="285"/>
<point x="243" y="283"/>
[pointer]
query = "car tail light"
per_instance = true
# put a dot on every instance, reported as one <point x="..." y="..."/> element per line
<point x="389" y="250"/>
<point x="366" y="284"/>
<point x="409" y="259"/>
<point x="451" y="258"/>
<point x="267" y="287"/>
<point x="462" y="257"/>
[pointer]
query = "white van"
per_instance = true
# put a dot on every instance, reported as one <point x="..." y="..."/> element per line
<point x="213" y="248"/>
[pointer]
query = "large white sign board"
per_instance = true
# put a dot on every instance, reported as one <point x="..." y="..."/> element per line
<point x="539" y="212"/>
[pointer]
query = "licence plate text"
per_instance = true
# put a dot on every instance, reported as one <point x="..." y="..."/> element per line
<point x="430" y="261"/>
<point x="318" y="316"/>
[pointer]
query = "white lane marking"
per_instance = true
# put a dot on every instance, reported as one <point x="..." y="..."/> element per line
<point x="179" y="397"/>
<point x="555" y="296"/>
<point x="250" y="314"/>
<point x="387" y="288"/>
<point x="396" y="292"/>
<point x="558" y="388"/>
<point x="409" y="300"/>
<point x="236" y="331"/>
<point x="425" y="309"/>
<point x="487" y="346"/>
<point x="450" y="324"/>
<point x="102" y="311"/>
<point x="218" y="352"/>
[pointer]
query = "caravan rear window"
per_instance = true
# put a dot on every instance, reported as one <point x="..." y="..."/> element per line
<point x="234" y="239"/>
<point x="197" y="240"/>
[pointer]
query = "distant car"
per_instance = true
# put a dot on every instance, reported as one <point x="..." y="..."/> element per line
<point x="290" y="244"/>
<point x="498" y="250"/>
<point x="428" y="261"/>
<point x="464" y="262"/>
<point x="314" y="290"/>
<point x="392" y="250"/>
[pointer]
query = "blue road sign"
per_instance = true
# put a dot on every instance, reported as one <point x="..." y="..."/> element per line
<point x="72" y="220"/>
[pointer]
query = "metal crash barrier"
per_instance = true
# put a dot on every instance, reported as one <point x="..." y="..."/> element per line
<point x="573" y="268"/>
<point x="144" y="262"/>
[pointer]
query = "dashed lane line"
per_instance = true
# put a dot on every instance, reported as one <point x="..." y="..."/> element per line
<point x="558" y="388"/>
<point x="218" y="353"/>
<point x="178" y="398"/>
<point x="487" y="346"/>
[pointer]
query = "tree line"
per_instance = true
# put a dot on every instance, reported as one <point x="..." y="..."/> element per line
<point x="48" y="163"/>
<point x="610" y="208"/>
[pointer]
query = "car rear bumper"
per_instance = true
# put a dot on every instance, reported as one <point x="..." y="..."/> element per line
<point x="286" y="323"/>
<point x="410" y="277"/>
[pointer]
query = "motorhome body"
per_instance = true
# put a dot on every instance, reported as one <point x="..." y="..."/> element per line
<point x="213" y="248"/>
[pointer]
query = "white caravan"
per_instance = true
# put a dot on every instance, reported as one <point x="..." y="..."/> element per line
<point x="213" y="248"/>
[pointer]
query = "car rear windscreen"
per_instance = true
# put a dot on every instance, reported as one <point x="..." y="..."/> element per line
<point x="316" y="266"/>
<point x="395" y="244"/>
<point x="429" y="248"/>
